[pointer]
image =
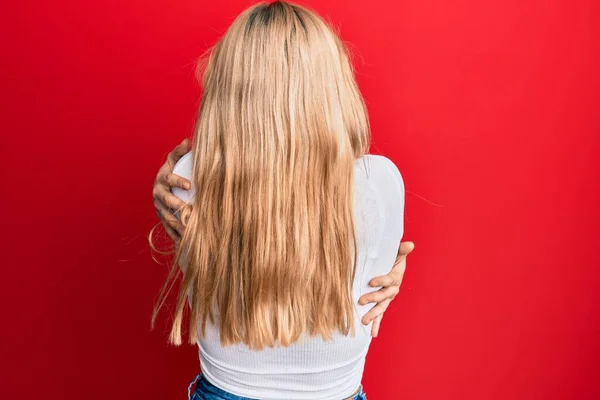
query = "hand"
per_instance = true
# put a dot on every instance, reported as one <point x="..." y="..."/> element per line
<point x="390" y="286"/>
<point x="164" y="201"/>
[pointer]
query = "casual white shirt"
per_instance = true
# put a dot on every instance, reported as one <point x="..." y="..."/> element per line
<point x="314" y="369"/>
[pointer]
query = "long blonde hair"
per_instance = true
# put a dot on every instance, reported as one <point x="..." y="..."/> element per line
<point x="270" y="243"/>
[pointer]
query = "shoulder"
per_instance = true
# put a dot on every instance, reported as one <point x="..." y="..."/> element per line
<point x="381" y="168"/>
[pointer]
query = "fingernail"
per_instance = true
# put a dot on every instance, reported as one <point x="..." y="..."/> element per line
<point x="187" y="185"/>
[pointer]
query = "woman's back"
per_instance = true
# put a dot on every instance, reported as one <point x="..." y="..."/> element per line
<point x="290" y="220"/>
<point x="312" y="368"/>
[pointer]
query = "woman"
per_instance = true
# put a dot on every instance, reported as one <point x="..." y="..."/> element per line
<point x="287" y="220"/>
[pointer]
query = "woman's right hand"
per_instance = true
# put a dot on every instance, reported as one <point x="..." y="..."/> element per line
<point x="165" y="202"/>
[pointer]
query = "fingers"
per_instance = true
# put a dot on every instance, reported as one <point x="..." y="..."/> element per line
<point x="167" y="178"/>
<point x="164" y="200"/>
<point x="379" y="295"/>
<point x="376" y="324"/>
<point x="178" y="152"/>
<point x="172" y="180"/>
<point x="173" y="234"/>
<point x="375" y="311"/>
<point x="406" y="248"/>
<point x="390" y="285"/>
<point x="394" y="278"/>
<point x="168" y="219"/>
<point x="168" y="199"/>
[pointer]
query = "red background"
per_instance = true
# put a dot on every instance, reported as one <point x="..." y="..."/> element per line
<point x="489" y="108"/>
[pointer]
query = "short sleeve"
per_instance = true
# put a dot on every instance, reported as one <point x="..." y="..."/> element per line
<point x="184" y="168"/>
<point x="397" y="178"/>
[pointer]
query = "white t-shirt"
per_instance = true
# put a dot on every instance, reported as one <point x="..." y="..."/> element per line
<point x="312" y="368"/>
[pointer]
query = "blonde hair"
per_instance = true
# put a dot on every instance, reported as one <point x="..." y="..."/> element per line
<point x="270" y="243"/>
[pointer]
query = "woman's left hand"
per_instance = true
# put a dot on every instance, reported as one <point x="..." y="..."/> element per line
<point x="164" y="201"/>
<point x="390" y="287"/>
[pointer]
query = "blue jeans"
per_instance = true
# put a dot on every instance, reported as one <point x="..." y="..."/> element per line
<point x="207" y="391"/>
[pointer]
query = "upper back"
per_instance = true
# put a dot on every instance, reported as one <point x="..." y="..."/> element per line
<point x="312" y="368"/>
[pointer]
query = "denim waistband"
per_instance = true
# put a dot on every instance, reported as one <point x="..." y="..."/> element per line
<point x="219" y="394"/>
